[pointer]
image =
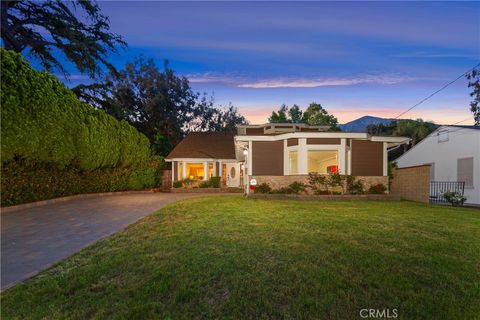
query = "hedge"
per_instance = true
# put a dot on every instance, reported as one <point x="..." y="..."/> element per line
<point x="43" y="121"/>
<point x="52" y="144"/>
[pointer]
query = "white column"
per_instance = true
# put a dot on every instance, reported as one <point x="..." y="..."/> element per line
<point x="205" y="170"/>
<point x="302" y="156"/>
<point x="286" y="170"/>
<point x="184" y="170"/>
<point x="173" y="171"/>
<point x="385" y="159"/>
<point x="342" y="156"/>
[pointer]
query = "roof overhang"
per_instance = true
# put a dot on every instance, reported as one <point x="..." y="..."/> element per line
<point x="354" y="135"/>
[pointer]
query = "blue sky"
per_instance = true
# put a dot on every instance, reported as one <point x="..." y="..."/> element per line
<point x="355" y="58"/>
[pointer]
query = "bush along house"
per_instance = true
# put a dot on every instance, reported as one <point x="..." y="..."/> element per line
<point x="280" y="154"/>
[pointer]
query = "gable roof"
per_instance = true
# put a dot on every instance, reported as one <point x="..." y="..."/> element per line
<point x="464" y="127"/>
<point x="205" y="145"/>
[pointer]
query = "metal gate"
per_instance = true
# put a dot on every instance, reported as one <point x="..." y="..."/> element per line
<point x="438" y="188"/>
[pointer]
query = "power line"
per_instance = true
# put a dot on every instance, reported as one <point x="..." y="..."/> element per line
<point x="445" y="86"/>
<point x="469" y="118"/>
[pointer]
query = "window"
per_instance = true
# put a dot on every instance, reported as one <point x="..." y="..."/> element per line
<point x="442" y="136"/>
<point x="195" y="171"/>
<point x="293" y="162"/>
<point x="465" y="171"/>
<point x="321" y="161"/>
<point x="180" y="171"/>
<point x="224" y="174"/>
<point x="210" y="169"/>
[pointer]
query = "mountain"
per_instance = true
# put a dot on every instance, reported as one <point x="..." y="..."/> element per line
<point x="360" y="124"/>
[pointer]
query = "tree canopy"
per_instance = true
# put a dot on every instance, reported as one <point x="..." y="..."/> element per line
<point x="39" y="28"/>
<point x="474" y="83"/>
<point x="315" y="114"/>
<point x="159" y="103"/>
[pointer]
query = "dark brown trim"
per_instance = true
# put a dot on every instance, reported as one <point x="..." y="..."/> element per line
<point x="292" y="142"/>
<point x="217" y="168"/>
<point x="267" y="158"/>
<point x="323" y="140"/>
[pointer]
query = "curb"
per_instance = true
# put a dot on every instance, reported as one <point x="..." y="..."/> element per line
<point x="67" y="198"/>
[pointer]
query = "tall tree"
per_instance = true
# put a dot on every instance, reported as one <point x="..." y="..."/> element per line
<point x="158" y="103"/>
<point x="295" y="115"/>
<point x="39" y="28"/>
<point x="474" y="83"/>
<point x="317" y="115"/>
<point x="280" y="116"/>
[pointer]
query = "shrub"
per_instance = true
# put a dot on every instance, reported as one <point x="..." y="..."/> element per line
<point x="378" y="188"/>
<point x="284" y="190"/>
<point x="43" y="121"/>
<point x="455" y="198"/>
<point x="177" y="184"/>
<point x="263" y="188"/>
<point x="23" y="181"/>
<point x="318" y="182"/>
<point x="204" y="184"/>
<point x="55" y="145"/>
<point x="215" y="182"/>
<point x="297" y="187"/>
<point x="353" y="186"/>
<point x="188" y="183"/>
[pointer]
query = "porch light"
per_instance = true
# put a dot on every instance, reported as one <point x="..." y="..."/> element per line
<point x="245" y="152"/>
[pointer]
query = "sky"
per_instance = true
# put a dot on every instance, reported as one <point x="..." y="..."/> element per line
<point x="355" y="58"/>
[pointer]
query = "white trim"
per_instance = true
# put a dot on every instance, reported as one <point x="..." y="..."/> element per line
<point x="205" y="170"/>
<point x="302" y="156"/>
<point x="356" y="135"/>
<point x="342" y="153"/>
<point x="349" y="155"/>
<point x="286" y="158"/>
<point x="199" y="160"/>
<point x="184" y="170"/>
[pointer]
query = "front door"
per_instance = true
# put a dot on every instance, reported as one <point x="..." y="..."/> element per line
<point x="233" y="174"/>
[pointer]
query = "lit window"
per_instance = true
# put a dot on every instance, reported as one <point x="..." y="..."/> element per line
<point x="195" y="171"/>
<point x="180" y="171"/>
<point x="321" y="161"/>
<point x="293" y="162"/>
<point x="210" y="169"/>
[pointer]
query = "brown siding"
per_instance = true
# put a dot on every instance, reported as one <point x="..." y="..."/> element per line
<point x="175" y="170"/>
<point x="323" y="141"/>
<point x="254" y="131"/>
<point x="217" y="168"/>
<point x="292" y="142"/>
<point x="367" y="158"/>
<point x="267" y="158"/>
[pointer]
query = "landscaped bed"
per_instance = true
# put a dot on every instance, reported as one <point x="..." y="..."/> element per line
<point x="231" y="257"/>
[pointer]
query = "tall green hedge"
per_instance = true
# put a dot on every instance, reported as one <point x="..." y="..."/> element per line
<point x="42" y="120"/>
<point x="73" y="147"/>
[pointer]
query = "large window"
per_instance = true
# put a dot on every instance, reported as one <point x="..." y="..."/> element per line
<point x="210" y="169"/>
<point x="465" y="171"/>
<point x="293" y="162"/>
<point x="195" y="171"/>
<point x="180" y="171"/>
<point x="322" y="161"/>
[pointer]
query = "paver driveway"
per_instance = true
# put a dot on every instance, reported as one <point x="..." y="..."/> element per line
<point x="35" y="238"/>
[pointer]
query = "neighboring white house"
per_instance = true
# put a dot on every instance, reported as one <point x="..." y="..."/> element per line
<point x="454" y="155"/>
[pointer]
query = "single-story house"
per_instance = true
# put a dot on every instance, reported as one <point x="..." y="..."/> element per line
<point x="280" y="154"/>
<point x="453" y="153"/>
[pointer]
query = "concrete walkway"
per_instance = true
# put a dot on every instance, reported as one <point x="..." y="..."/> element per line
<point x="35" y="238"/>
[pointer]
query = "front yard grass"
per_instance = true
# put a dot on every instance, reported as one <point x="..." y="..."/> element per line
<point x="247" y="259"/>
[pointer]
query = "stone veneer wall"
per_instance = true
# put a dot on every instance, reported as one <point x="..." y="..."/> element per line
<point x="412" y="183"/>
<point x="277" y="182"/>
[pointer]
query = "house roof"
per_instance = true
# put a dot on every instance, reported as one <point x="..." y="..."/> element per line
<point x="464" y="127"/>
<point x="205" y="145"/>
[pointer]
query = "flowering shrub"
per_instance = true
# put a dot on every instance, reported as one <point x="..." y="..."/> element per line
<point x="455" y="198"/>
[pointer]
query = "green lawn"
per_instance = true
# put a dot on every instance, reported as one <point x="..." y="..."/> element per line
<point x="235" y="258"/>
